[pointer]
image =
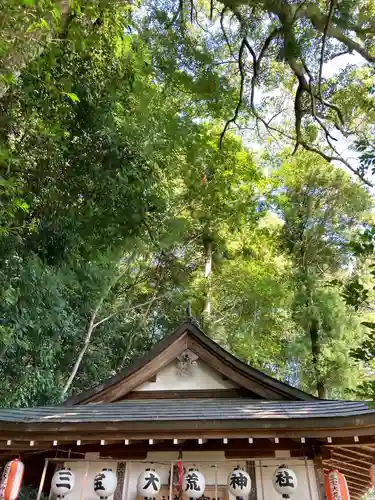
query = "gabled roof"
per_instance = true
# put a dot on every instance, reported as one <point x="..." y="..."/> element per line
<point x="189" y="336"/>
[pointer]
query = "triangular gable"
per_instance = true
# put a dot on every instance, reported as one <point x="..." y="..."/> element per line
<point x="185" y="376"/>
<point x="189" y="337"/>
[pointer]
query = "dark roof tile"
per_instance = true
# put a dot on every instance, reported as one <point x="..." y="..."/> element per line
<point x="182" y="409"/>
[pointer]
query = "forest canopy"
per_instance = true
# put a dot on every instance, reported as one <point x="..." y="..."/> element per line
<point x="162" y="153"/>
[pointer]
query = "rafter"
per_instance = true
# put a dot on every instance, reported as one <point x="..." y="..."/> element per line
<point x="349" y="472"/>
<point x="361" y="464"/>
<point x="357" y="452"/>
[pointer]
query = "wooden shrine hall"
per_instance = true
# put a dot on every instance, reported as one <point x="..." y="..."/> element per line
<point x="189" y="415"/>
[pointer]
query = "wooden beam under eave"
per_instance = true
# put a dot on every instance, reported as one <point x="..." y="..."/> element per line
<point x="345" y="437"/>
<point x="354" y="486"/>
<point x="327" y="453"/>
<point x="365" y="447"/>
<point x="262" y="453"/>
<point x="367" y="439"/>
<point x="237" y="445"/>
<point x="340" y="431"/>
<point x="358" y="452"/>
<point x="92" y="437"/>
<point x="348" y="469"/>
<point x="357" y="491"/>
<point x="117" y="455"/>
<point x="353" y="483"/>
<point x="357" y="464"/>
<point x="193" y="394"/>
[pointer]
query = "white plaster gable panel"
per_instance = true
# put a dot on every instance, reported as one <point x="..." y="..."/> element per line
<point x="187" y="372"/>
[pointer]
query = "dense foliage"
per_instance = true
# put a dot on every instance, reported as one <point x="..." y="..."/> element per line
<point x="127" y="190"/>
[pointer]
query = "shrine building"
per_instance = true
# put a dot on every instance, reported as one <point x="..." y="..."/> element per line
<point x="190" y="415"/>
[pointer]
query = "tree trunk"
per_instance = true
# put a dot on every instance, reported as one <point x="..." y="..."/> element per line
<point x="141" y="324"/>
<point x="315" y="350"/>
<point x="83" y="349"/>
<point x="3" y="352"/>
<point x="90" y="330"/>
<point x="207" y="276"/>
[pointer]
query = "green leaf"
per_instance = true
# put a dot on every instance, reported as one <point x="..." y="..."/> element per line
<point x="72" y="96"/>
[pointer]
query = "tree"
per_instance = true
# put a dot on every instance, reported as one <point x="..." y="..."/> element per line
<point x="358" y="292"/>
<point x="322" y="209"/>
<point x="103" y="189"/>
<point x="266" y="45"/>
<point x="277" y="51"/>
<point x="90" y="146"/>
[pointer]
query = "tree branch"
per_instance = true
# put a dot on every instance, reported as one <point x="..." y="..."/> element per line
<point x="338" y="158"/>
<point x="321" y="23"/>
<point x="240" y="98"/>
<point x="287" y="14"/>
<point x="222" y="14"/>
<point x="92" y="326"/>
<point x="83" y="349"/>
<point x="90" y="330"/>
<point x="329" y="20"/>
<point x="335" y="32"/>
<point x="274" y="33"/>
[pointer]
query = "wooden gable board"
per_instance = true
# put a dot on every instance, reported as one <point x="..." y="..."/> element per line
<point x="189" y="336"/>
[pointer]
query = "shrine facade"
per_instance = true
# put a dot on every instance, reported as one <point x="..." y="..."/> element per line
<point x="189" y="405"/>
